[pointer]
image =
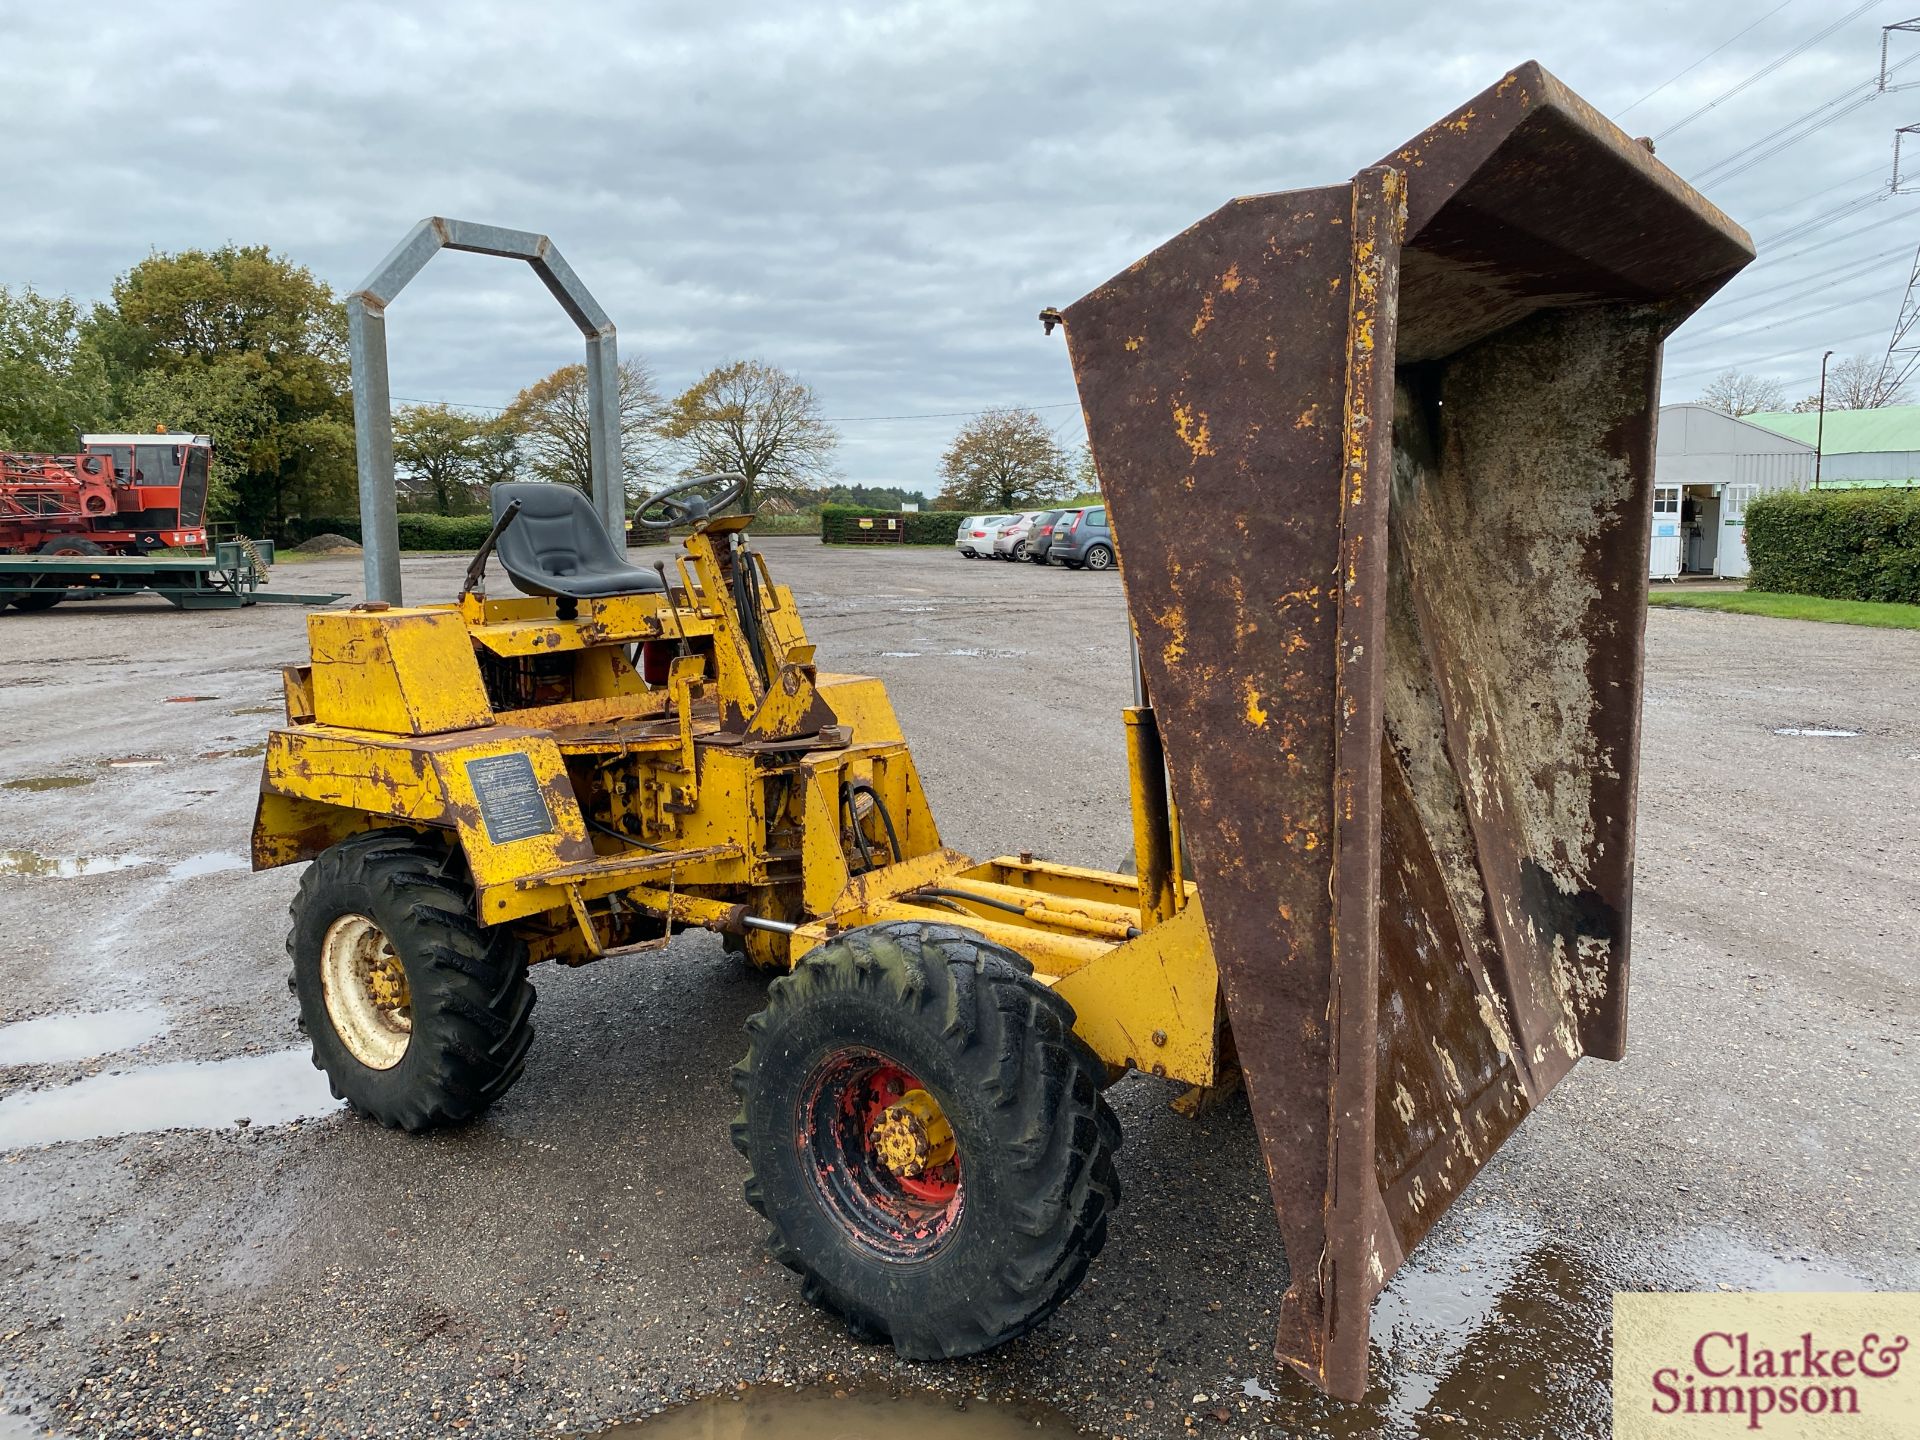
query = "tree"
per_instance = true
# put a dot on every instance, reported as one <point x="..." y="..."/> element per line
<point x="250" y="348"/>
<point x="873" y="497"/>
<point x="754" y="419"/>
<point x="53" y="380"/>
<point x="1086" y="477"/>
<point x="554" y="428"/>
<point x="449" y="458"/>
<point x="1004" y="459"/>
<point x="1733" y="392"/>
<point x="229" y="403"/>
<point x="1855" y="383"/>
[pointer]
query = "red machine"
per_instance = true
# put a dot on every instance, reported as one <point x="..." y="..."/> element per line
<point x="122" y="495"/>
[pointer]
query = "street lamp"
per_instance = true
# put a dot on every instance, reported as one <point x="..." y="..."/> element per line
<point x="1820" y="423"/>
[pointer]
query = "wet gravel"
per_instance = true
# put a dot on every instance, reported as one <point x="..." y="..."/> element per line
<point x="581" y="1256"/>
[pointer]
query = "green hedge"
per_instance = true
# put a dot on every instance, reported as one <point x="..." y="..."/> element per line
<point x="805" y="523"/>
<point x="1841" y="544"/>
<point x="466" y="532"/>
<point x="840" y="524"/>
<point x="417" y="532"/>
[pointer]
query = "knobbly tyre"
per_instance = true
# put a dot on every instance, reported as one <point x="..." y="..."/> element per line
<point x="1396" y="700"/>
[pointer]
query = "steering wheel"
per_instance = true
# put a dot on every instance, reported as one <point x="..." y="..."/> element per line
<point x="679" y="505"/>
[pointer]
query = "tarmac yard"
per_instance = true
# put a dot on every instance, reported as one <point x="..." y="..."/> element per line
<point x="195" y="1240"/>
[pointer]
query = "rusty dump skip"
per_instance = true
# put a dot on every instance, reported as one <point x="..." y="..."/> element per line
<point x="1379" y="456"/>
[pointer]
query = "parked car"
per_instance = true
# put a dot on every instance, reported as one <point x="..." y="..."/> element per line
<point x="1010" y="541"/>
<point x="1082" y="540"/>
<point x="1040" y="534"/>
<point x="975" y="536"/>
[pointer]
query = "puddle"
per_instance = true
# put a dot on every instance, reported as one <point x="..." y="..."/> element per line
<point x="190" y="699"/>
<point x="57" y="1039"/>
<point x="64" y="867"/>
<point x="259" y="710"/>
<point x="251" y="752"/>
<point x="1817" y="732"/>
<point x="49" y="782"/>
<point x="824" y="1414"/>
<point x="211" y="863"/>
<point x="899" y="654"/>
<point x="136" y="762"/>
<point x="1726" y="1262"/>
<point x="184" y="1095"/>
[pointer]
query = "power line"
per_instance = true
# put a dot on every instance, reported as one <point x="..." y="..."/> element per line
<point x="1827" y="217"/>
<point x="452" y="404"/>
<point x="1836" y="239"/>
<point x="1739" y="335"/>
<point x="948" y="414"/>
<point x="1778" y="354"/>
<point x="1824" y="190"/>
<point x="830" y="419"/>
<point x="1732" y="329"/>
<point x="1802" y="285"/>
<point x="1859" y="92"/>
<point x="1769" y="68"/>
<point x="1704" y="58"/>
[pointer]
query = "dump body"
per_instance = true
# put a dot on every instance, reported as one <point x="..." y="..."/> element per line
<point x="1399" y="694"/>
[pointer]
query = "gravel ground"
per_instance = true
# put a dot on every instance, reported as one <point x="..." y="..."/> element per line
<point x="581" y="1256"/>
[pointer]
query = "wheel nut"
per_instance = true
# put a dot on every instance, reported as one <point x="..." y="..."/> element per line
<point x="913" y="1136"/>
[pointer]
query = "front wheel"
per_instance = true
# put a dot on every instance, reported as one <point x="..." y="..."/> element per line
<point x="418" y="1015"/>
<point x="926" y="1137"/>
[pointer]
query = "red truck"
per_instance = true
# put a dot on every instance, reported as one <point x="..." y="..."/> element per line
<point x="120" y="495"/>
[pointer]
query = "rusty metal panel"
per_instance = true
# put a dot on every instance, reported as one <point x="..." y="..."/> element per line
<point x="1378" y="458"/>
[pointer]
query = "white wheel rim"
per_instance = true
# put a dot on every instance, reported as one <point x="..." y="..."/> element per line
<point x="365" y="988"/>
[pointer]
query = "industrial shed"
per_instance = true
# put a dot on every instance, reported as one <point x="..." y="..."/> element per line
<point x="1857" y="447"/>
<point x="1706" y="467"/>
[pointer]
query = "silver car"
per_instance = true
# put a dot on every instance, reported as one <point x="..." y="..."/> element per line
<point x="974" y="539"/>
<point x="1010" y="540"/>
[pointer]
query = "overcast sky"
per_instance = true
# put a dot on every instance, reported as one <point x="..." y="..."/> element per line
<point x="880" y="198"/>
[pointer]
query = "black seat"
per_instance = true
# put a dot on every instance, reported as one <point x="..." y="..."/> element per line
<point x="556" y="546"/>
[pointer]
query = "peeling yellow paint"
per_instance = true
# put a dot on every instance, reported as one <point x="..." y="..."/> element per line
<point x="1204" y="318"/>
<point x="1134" y="342"/>
<point x="1192" y="426"/>
<point x="1256" y="716"/>
<point x="1231" y="280"/>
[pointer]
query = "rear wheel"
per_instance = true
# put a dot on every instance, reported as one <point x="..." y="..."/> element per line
<point x="43" y="597"/>
<point x="418" y="1015"/>
<point x="927" y="1138"/>
<point x="1099" y="557"/>
<point x="1020" y="550"/>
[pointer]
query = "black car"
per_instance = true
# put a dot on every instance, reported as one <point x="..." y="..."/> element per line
<point x="1082" y="539"/>
<point x="1040" y="535"/>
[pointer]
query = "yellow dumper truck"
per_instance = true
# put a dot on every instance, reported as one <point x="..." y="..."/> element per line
<point x="1378" y="458"/>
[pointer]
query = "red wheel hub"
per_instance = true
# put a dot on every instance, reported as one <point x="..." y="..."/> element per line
<point x="884" y="1089"/>
<point x="881" y="1154"/>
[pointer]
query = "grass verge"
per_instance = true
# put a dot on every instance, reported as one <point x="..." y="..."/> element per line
<point x="1792" y="607"/>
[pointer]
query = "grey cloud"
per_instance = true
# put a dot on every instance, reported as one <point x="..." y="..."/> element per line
<point x="878" y="197"/>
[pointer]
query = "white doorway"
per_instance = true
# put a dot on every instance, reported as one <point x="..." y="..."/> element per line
<point x="1700" y="530"/>
<point x="1663" y="555"/>
<point x="1733" y="530"/>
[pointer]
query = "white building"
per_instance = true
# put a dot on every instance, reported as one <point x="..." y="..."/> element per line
<point x="1706" y="467"/>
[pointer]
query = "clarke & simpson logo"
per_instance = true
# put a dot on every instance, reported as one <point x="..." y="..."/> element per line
<point x="1784" y="1366"/>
